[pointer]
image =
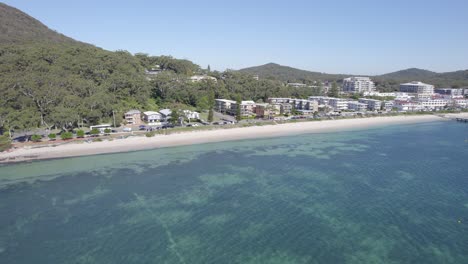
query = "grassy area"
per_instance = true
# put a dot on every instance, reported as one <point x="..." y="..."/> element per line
<point x="204" y="116"/>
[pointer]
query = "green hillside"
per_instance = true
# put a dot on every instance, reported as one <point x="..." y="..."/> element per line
<point x="17" y="27"/>
<point x="389" y="81"/>
<point x="289" y="74"/>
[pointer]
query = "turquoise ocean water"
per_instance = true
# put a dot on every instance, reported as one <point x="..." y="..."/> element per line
<point x="397" y="194"/>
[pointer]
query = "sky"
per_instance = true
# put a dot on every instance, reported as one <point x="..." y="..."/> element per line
<point x="355" y="36"/>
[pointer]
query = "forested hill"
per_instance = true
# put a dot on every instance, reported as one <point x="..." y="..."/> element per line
<point x="446" y="79"/>
<point x="389" y="81"/>
<point x="289" y="74"/>
<point x="49" y="80"/>
<point x="16" y="27"/>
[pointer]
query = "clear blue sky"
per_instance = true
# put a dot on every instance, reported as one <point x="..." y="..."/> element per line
<point x="356" y="36"/>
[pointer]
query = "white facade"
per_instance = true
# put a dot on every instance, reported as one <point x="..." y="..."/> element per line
<point x="223" y="105"/>
<point x="191" y="115"/>
<point x="338" y="104"/>
<point x="199" y="78"/>
<point x="152" y="117"/>
<point x="356" y="106"/>
<point x="372" y="104"/>
<point x="417" y="88"/>
<point x="322" y="100"/>
<point x="358" y="85"/>
<point x="434" y="104"/>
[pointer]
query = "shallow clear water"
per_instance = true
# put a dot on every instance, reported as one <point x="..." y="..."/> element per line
<point x="389" y="195"/>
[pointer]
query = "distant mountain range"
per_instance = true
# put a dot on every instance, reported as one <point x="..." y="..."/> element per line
<point x="289" y="74"/>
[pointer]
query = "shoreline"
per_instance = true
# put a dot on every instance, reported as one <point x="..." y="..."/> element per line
<point x="206" y="136"/>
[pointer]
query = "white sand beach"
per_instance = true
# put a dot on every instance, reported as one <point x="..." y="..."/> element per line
<point x="199" y="137"/>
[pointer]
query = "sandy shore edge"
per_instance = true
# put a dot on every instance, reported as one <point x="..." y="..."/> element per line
<point x="200" y="137"/>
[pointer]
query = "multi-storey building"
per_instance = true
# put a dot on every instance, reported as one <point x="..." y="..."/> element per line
<point x="303" y="104"/>
<point x="133" y="117"/>
<point x="372" y="104"/>
<point x="223" y="105"/>
<point x="338" y="104"/>
<point x="449" y="91"/>
<point x="321" y="100"/>
<point x="358" y="85"/>
<point x="267" y="110"/>
<point x="422" y="90"/>
<point x="247" y="108"/>
<point x="285" y="109"/>
<point x="279" y="100"/>
<point x="356" y="106"/>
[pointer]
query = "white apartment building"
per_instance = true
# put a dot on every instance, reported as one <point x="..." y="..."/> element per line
<point x="388" y="105"/>
<point x="338" y="104"/>
<point x="322" y="100"/>
<point x="247" y="108"/>
<point x="417" y="88"/>
<point x="303" y="104"/>
<point x="223" y="105"/>
<point x="404" y="105"/>
<point x="279" y="100"/>
<point x="358" y="85"/>
<point x="356" y="106"/>
<point x="434" y="104"/>
<point x="463" y="103"/>
<point x="372" y="104"/>
<point x="449" y="91"/>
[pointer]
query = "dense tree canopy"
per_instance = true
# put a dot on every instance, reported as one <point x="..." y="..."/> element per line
<point x="67" y="86"/>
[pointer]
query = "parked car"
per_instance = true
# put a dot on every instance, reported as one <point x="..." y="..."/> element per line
<point x="127" y="129"/>
<point x="168" y="126"/>
<point x="142" y="127"/>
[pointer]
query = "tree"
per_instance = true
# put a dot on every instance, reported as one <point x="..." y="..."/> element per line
<point x="211" y="105"/>
<point x="94" y="132"/>
<point x="66" y="135"/>
<point x="107" y="131"/>
<point x="52" y="136"/>
<point x="238" y="108"/>
<point x="175" y="117"/>
<point x="209" y="68"/>
<point x="334" y="91"/>
<point x="210" y="115"/>
<point x="80" y="133"/>
<point x="5" y="143"/>
<point x="36" y="138"/>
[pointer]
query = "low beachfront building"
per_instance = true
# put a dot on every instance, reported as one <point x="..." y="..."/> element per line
<point x="338" y="104"/>
<point x="247" y="108"/>
<point x="285" y="109"/>
<point x="152" y="117"/>
<point x="372" y="104"/>
<point x="406" y="106"/>
<point x="191" y="115"/>
<point x="358" y="85"/>
<point x="434" y="104"/>
<point x="267" y="110"/>
<point x="460" y="102"/>
<point x="223" y="105"/>
<point x="321" y="100"/>
<point x="388" y="105"/>
<point x="303" y="104"/>
<point x="279" y="100"/>
<point x="357" y="106"/>
<point x="133" y="117"/>
<point x="166" y="114"/>
<point x="449" y="91"/>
